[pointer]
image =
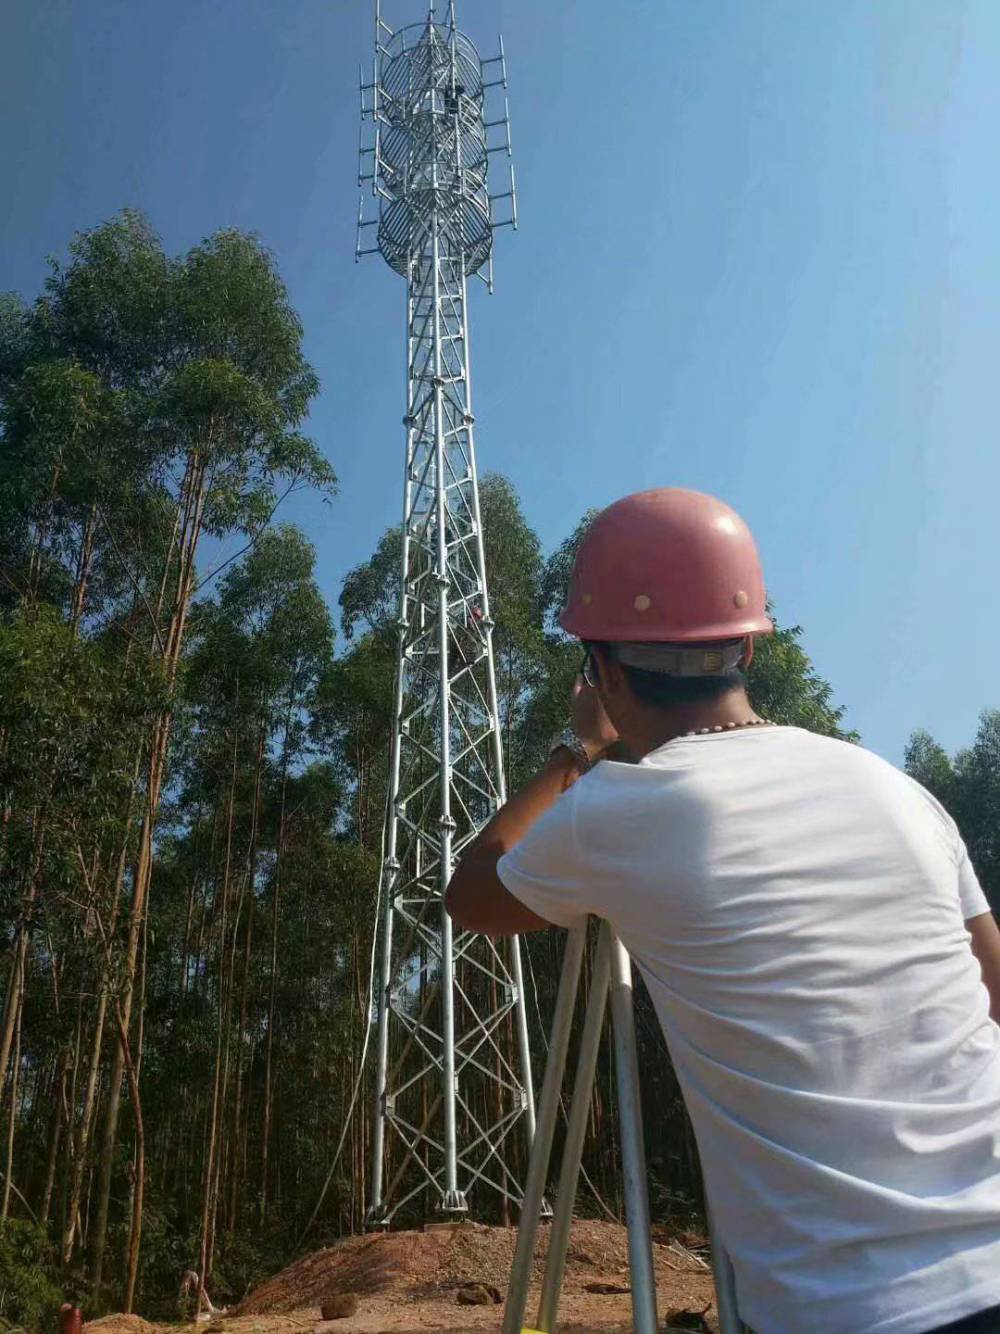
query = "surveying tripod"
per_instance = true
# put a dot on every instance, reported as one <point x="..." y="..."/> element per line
<point x="612" y="968"/>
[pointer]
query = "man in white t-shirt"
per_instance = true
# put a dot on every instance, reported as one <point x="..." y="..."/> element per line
<point x="821" y="957"/>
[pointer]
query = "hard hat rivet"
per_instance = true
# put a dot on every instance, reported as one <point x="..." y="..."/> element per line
<point x="642" y="602"/>
<point x="586" y="599"/>
<point x="740" y="599"/>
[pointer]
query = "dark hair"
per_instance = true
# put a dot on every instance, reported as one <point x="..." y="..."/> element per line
<point x="660" y="691"/>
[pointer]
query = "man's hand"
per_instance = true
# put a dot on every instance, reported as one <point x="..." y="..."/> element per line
<point x="590" y="722"/>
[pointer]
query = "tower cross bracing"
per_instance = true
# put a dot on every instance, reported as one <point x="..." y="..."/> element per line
<point x="453" y="1074"/>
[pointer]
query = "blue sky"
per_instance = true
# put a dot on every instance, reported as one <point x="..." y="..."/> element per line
<point x="758" y="255"/>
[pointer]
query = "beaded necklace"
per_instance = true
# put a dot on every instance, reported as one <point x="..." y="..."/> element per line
<point x="730" y="727"/>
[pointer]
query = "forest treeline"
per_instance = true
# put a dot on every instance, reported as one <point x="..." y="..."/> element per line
<point x="193" y="784"/>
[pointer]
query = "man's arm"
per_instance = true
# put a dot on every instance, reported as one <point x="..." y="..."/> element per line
<point x="986" y="947"/>
<point x="476" y="897"/>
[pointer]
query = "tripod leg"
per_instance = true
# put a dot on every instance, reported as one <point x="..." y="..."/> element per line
<point x="541" y="1147"/>
<point x="640" y="1246"/>
<point x="576" y="1130"/>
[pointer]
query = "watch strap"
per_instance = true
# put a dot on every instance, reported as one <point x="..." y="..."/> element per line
<point x="569" y="740"/>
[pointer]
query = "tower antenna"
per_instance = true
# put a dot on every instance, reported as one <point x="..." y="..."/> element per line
<point x="450" y="1084"/>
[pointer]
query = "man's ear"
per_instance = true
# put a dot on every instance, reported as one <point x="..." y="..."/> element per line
<point x="610" y="677"/>
<point x="747" y="658"/>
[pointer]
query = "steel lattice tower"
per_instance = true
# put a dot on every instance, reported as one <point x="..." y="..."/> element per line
<point x="451" y="1015"/>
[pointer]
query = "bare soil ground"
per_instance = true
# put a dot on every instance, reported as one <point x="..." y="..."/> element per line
<point x="407" y="1283"/>
<point x="120" y="1324"/>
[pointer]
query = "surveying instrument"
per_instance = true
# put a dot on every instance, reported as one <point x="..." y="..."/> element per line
<point x="612" y="970"/>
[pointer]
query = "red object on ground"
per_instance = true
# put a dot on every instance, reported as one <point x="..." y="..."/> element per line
<point x="667" y="566"/>
<point x="70" y="1319"/>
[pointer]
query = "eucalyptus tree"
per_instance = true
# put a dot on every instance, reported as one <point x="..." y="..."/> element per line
<point x="969" y="787"/>
<point x="146" y="403"/>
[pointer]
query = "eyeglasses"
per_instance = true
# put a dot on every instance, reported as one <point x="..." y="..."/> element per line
<point x="588" y="670"/>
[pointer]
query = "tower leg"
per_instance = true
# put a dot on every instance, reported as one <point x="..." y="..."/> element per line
<point x="376" y="1209"/>
<point x="452" y="1200"/>
<point x="517" y="969"/>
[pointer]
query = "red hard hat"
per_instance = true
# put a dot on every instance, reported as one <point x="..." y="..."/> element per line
<point x="666" y="566"/>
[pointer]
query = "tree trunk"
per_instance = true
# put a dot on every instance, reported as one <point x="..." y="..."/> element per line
<point x="189" y="915"/>
<point x="135" y="1235"/>
<point x="82" y="1145"/>
<point x="251" y="876"/>
<point x="124" y="1009"/>
<point x="192" y="508"/>
<point x="15" y="986"/>
<point x="59" y="1116"/>
<point x="206" y="1246"/>
<point x="268" y="1091"/>
<point x="84" y="562"/>
<point x="12" y="1119"/>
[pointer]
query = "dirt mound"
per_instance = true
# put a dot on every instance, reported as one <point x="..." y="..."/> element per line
<point x="374" y="1263"/>
<point x="429" y="1264"/>
<point x="119" y="1324"/>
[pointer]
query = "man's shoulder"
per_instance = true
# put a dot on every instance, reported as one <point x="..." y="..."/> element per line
<point x="776" y="754"/>
<point x="833" y="756"/>
<point x="831" y="764"/>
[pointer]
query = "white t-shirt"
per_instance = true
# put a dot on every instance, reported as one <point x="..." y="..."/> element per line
<point x="796" y="906"/>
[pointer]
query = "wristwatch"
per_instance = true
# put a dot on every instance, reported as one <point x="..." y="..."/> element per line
<point x="569" y="740"/>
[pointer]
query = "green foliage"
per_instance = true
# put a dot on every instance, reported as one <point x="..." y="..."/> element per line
<point x="371" y="591"/>
<point x="15" y="337"/>
<point x="929" y="764"/>
<point x="786" y="688"/>
<point x="969" y="787"/>
<point x="352" y="720"/>
<point x="57" y="695"/>
<point x="555" y="578"/>
<point x="110" y="308"/>
<point x="164" y="1257"/>
<point x="145" y="734"/>
<point x="30" y="1295"/>
<point x="246" y="1260"/>
<point x="977" y="802"/>
<point x="233" y="307"/>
